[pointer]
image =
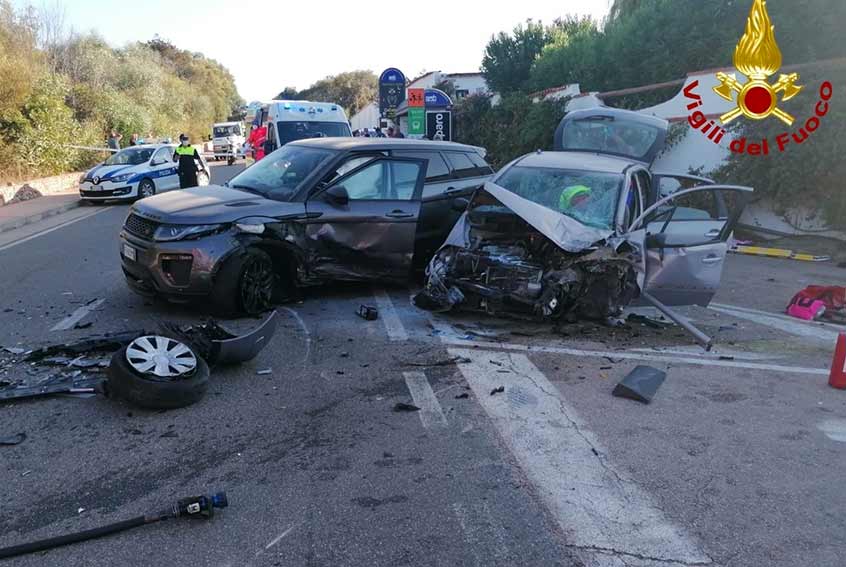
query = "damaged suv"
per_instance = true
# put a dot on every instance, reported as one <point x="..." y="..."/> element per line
<point x="582" y="232"/>
<point x="314" y="210"/>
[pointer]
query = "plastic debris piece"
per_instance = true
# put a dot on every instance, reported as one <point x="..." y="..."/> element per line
<point x="13" y="439"/>
<point x="499" y="390"/>
<point x="405" y="407"/>
<point x="641" y="384"/>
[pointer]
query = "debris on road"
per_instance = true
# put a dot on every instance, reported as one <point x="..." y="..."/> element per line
<point x="818" y="301"/>
<point x="367" y="312"/>
<point x="641" y="384"/>
<point x="83" y="325"/>
<point x="463" y="396"/>
<point x="14" y="350"/>
<point x="499" y="390"/>
<point x="217" y="345"/>
<point x="108" y="342"/>
<point x="13" y="439"/>
<point x="265" y="372"/>
<point x="439" y="362"/>
<point x="635" y="318"/>
<point x="400" y="406"/>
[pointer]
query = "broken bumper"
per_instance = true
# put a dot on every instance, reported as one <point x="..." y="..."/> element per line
<point x="179" y="269"/>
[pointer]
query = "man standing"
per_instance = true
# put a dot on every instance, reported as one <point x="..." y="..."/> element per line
<point x="189" y="159"/>
<point x="256" y="140"/>
<point x="114" y="140"/>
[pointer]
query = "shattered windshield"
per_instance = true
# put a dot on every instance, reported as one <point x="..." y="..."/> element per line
<point x="131" y="156"/>
<point x="587" y="196"/>
<point x="280" y="174"/>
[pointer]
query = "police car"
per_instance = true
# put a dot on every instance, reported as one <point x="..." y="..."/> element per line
<point x="134" y="173"/>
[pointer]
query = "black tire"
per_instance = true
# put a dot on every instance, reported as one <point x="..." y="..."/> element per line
<point x="147" y="392"/>
<point x="146" y="188"/>
<point x="245" y="284"/>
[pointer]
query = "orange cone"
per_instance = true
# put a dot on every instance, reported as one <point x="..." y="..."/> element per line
<point x="837" y="378"/>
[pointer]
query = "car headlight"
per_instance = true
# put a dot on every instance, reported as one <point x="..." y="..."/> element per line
<point x="120" y="178"/>
<point x="171" y="232"/>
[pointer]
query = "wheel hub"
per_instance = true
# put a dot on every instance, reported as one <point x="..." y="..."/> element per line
<point x="160" y="356"/>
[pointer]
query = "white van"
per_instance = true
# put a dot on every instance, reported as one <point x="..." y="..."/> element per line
<point x="291" y="120"/>
<point x="227" y="140"/>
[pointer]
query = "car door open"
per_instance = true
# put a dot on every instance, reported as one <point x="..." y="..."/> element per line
<point x="362" y="225"/>
<point x="684" y="239"/>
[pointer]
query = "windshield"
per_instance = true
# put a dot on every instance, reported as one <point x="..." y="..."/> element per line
<point x="290" y="131"/>
<point x="587" y="196"/>
<point x="607" y="135"/>
<point x="223" y="131"/>
<point x="131" y="156"/>
<point x="281" y="174"/>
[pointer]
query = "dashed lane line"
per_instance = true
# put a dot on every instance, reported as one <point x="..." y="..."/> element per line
<point x="77" y="316"/>
<point x="431" y="413"/>
<point x="389" y="316"/>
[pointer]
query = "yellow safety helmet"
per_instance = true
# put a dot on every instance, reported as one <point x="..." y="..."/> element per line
<point x="569" y="194"/>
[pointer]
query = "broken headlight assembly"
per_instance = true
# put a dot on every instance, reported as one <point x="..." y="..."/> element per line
<point x="172" y="232"/>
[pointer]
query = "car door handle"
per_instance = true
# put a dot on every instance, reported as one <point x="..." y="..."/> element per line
<point x="714" y="233"/>
<point x="453" y="190"/>
<point x="711" y="259"/>
<point x="399" y="214"/>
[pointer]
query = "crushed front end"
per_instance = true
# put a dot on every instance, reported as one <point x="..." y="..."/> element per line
<point x="497" y="263"/>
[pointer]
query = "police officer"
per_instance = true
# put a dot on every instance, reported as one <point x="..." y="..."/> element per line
<point x="189" y="160"/>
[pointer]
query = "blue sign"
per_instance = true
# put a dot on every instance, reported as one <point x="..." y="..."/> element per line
<point x="392" y="76"/>
<point x="435" y="98"/>
<point x="391" y="90"/>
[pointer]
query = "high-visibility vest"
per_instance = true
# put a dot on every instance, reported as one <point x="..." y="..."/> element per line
<point x="185" y="150"/>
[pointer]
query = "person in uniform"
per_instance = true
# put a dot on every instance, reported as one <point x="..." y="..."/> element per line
<point x="189" y="162"/>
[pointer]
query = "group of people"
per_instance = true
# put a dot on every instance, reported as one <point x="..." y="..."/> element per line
<point x="377" y="133"/>
<point x="113" y="141"/>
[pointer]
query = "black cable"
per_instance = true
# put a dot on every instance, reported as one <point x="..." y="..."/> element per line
<point x="52" y="542"/>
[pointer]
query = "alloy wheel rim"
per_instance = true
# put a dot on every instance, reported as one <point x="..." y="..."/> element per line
<point x="146" y="190"/>
<point x="257" y="285"/>
<point x="160" y="356"/>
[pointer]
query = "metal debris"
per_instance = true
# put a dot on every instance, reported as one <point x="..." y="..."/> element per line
<point x="13" y="439"/>
<point x="399" y="407"/>
<point x="367" y="312"/>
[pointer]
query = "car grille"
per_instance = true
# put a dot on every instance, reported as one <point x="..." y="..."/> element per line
<point x="140" y="226"/>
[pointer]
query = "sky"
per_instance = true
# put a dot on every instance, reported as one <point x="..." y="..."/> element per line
<point x="268" y="45"/>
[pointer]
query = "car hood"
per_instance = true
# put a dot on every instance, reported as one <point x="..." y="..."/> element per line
<point x="565" y="232"/>
<point x="106" y="172"/>
<point x="211" y="204"/>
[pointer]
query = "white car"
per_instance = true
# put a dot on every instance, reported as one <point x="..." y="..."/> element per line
<point x="134" y="173"/>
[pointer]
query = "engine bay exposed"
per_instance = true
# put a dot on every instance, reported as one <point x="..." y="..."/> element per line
<point x="509" y="268"/>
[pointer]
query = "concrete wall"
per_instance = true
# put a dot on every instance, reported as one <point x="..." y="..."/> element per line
<point x="26" y="190"/>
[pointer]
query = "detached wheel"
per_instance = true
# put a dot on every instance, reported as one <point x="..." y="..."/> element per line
<point x="245" y="284"/>
<point x="156" y="372"/>
<point x="146" y="188"/>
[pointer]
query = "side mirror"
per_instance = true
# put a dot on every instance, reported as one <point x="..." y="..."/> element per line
<point x="460" y="204"/>
<point x="338" y="195"/>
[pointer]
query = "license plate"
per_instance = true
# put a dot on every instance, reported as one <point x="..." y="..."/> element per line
<point x="129" y="252"/>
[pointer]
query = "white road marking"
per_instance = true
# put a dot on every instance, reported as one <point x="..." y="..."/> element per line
<point x="280" y="537"/>
<point x="601" y="512"/>
<point x="305" y="330"/>
<point x="715" y="354"/>
<point x="782" y="316"/>
<point x="790" y="325"/>
<point x="77" y="315"/>
<point x="51" y="229"/>
<point x="389" y="316"/>
<point x="834" y="429"/>
<point x="449" y="337"/>
<point x="430" y="412"/>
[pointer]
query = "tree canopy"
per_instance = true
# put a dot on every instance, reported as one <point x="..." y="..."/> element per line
<point x="353" y="90"/>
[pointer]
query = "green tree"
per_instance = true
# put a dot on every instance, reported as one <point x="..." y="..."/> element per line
<point x="288" y="93"/>
<point x="509" y="57"/>
<point x="353" y="90"/>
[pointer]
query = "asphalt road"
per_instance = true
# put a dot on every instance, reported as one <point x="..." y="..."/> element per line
<point x="737" y="462"/>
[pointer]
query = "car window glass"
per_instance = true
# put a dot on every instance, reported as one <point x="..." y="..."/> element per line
<point x="482" y="166"/>
<point x="404" y="179"/>
<point x="348" y="165"/>
<point x="436" y="170"/>
<point x="162" y="155"/>
<point x="280" y="174"/>
<point x="461" y="164"/>
<point x="698" y="206"/>
<point x="368" y="183"/>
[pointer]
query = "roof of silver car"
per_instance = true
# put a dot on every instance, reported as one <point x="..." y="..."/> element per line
<point x="576" y="160"/>
<point x="356" y="143"/>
